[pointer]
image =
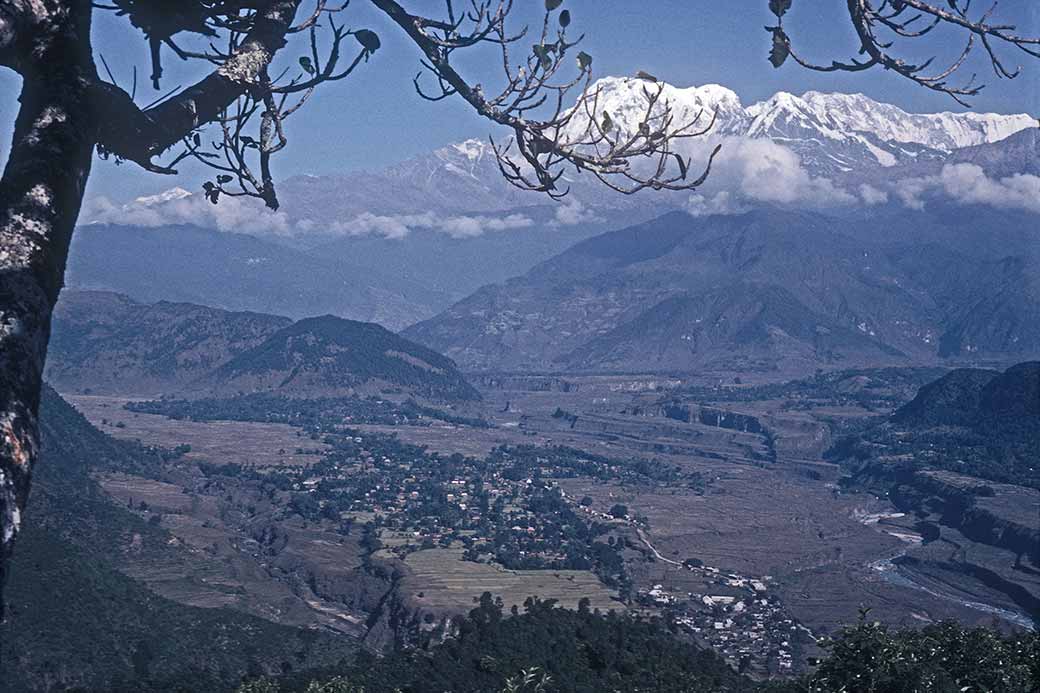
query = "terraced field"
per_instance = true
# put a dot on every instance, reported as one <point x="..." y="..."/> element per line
<point x="447" y="583"/>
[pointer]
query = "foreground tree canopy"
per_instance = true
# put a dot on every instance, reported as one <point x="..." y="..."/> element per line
<point x="265" y="59"/>
<point x="546" y="648"/>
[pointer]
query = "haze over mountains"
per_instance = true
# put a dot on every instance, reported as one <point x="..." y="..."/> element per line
<point x="762" y="290"/>
<point x="808" y="245"/>
<point x="107" y="343"/>
<point x="831" y="134"/>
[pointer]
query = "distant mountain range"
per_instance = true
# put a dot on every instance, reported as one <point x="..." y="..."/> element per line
<point x="241" y="272"/>
<point x="763" y="290"/>
<point x="834" y="135"/>
<point x="107" y="343"/>
<point x="498" y="279"/>
<point x="394" y="282"/>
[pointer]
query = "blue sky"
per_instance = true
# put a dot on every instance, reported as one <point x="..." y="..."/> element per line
<point x="374" y="118"/>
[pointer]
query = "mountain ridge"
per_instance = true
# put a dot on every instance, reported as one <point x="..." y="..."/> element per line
<point x="770" y="289"/>
<point x="106" y="343"/>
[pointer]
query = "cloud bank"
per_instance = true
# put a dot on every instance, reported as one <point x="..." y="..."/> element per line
<point x="400" y="225"/>
<point x="969" y="184"/>
<point x="178" y="206"/>
<point x="754" y="171"/>
<point x="248" y="215"/>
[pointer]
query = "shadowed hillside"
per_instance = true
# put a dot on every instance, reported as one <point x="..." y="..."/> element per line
<point x="76" y="622"/>
<point x="328" y="355"/>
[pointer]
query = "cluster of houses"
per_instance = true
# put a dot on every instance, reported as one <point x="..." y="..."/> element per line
<point x="507" y="508"/>
<point x="737" y="617"/>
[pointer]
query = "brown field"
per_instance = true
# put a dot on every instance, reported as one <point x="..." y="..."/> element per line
<point x="783" y="519"/>
<point x="219" y="442"/>
<point x="219" y="565"/>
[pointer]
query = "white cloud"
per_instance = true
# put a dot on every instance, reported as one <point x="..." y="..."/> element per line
<point x="177" y="206"/>
<point x="399" y="226"/>
<point x="872" y="195"/>
<point x="720" y="203"/>
<point x="749" y="171"/>
<point x="910" y="190"/>
<point x="969" y="184"/>
<point x="571" y="211"/>
<point x="770" y="172"/>
<point x="248" y="215"/>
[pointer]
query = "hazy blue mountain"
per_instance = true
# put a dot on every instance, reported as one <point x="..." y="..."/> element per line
<point x="456" y="266"/>
<point x="106" y="342"/>
<point x="765" y="289"/>
<point x="241" y="272"/>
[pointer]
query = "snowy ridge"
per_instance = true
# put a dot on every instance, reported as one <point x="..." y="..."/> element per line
<point x="831" y="132"/>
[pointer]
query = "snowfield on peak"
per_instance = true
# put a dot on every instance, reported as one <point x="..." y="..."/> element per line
<point x="831" y="132"/>
<point x="175" y="193"/>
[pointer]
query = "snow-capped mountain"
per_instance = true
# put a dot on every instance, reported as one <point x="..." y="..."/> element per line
<point x="846" y="138"/>
<point x="175" y="193"/>
<point x="832" y="133"/>
<point x="625" y="99"/>
<point x="845" y="132"/>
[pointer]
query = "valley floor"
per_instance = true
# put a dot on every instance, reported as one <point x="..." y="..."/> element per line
<point x="762" y="554"/>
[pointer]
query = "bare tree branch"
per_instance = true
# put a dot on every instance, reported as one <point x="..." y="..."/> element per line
<point x="881" y="25"/>
<point x="577" y="133"/>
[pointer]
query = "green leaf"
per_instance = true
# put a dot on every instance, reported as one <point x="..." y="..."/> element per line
<point x="551" y="5"/>
<point x="565" y="18"/>
<point x="584" y="61"/>
<point x="368" y="40"/>
<point x="779" y="7"/>
<point x="780" y="49"/>
<point x="223" y="178"/>
<point x="196" y="139"/>
<point x="608" y="122"/>
<point x="646" y="76"/>
<point x="307" y="65"/>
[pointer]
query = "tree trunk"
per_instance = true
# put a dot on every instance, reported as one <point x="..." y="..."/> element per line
<point x="40" y="196"/>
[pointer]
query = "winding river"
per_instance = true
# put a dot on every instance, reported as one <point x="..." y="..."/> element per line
<point x="890" y="572"/>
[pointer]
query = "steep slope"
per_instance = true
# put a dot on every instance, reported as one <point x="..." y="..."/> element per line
<point x="108" y="343"/>
<point x="754" y="324"/>
<point x="75" y="622"/>
<point x="769" y="287"/>
<point x="952" y="400"/>
<point x="763" y="289"/>
<point x="836" y="133"/>
<point x="1014" y="395"/>
<point x="239" y="272"/>
<point x="1003" y="408"/>
<point x="974" y="422"/>
<point x="330" y="356"/>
